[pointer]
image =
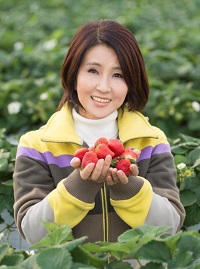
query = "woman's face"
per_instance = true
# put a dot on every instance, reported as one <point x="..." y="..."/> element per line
<point x="100" y="86"/>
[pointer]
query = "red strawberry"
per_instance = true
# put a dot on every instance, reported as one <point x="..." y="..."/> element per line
<point x="124" y="165"/>
<point x="116" y="146"/>
<point x="131" y="154"/>
<point x="102" y="150"/>
<point x="91" y="148"/>
<point x="79" y="153"/>
<point x="89" y="157"/>
<point x="101" y="140"/>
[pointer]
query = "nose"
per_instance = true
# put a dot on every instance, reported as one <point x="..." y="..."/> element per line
<point x="103" y="85"/>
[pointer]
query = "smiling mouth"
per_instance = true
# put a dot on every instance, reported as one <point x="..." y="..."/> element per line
<point x="101" y="100"/>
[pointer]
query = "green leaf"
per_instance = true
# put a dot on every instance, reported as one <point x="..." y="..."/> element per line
<point x="50" y="226"/>
<point x="196" y="163"/>
<point x="60" y="235"/>
<point x="120" y="251"/>
<point x="2" y="131"/>
<point x="74" y="243"/>
<point x="30" y="263"/>
<point x="12" y="259"/>
<point x="182" y="260"/>
<point x="189" y="243"/>
<point x="188" y="197"/>
<point x="171" y="241"/>
<point x="43" y="243"/>
<point x="57" y="235"/>
<point x="194" y="156"/>
<point x="119" y="265"/>
<point x="192" y="215"/>
<point x="3" y="164"/>
<point x="148" y="230"/>
<point x="188" y="138"/>
<point x="8" y="183"/>
<point x="54" y="258"/>
<point x="178" y="150"/>
<point x="155" y="251"/>
<point x="193" y="184"/>
<point x="179" y="159"/>
<point x="3" y="250"/>
<point x="13" y="152"/>
<point x="81" y="255"/>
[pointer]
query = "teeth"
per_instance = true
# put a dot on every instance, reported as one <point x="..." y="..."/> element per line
<point x="101" y="100"/>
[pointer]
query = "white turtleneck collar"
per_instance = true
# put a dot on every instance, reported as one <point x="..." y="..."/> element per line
<point x="89" y="130"/>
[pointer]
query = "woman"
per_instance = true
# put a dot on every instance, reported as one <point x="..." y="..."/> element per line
<point x="106" y="89"/>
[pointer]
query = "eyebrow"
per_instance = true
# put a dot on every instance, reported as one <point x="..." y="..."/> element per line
<point x="98" y="64"/>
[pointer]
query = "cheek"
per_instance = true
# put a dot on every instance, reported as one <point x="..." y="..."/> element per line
<point x="122" y="91"/>
<point x="83" y="83"/>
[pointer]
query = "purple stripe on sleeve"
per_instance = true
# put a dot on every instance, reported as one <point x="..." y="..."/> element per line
<point x="147" y="152"/>
<point x="161" y="148"/>
<point x="47" y="157"/>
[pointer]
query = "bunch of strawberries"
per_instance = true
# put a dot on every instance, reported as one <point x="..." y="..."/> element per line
<point x="122" y="157"/>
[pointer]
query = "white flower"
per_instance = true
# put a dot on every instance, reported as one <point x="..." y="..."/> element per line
<point x="44" y="96"/>
<point x="18" y="45"/>
<point x="31" y="252"/>
<point x="50" y="44"/>
<point x="181" y="166"/>
<point x="1" y="235"/>
<point x="14" y="107"/>
<point x="196" y="106"/>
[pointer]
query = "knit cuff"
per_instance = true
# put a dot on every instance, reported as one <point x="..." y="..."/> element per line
<point x="84" y="190"/>
<point x="121" y="191"/>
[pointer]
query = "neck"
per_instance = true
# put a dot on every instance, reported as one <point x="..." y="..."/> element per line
<point x="89" y="130"/>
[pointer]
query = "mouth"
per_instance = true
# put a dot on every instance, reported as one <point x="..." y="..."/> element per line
<point x="100" y="100"/>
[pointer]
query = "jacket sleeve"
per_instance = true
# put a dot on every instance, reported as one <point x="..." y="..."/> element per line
<point x="162" y="175"/>
<point x="157" y="201"/>
<point x="132" y="201"/>
<point x="32" y="183"/>
<point x="38" y="198"/>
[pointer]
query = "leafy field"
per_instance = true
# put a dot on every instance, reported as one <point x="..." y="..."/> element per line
<point x="34" y="37"/>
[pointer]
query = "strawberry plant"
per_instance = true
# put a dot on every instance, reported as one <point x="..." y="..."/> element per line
<point x="147" y="246"/>
<point x="186" y="152"/>
<point x="7" y="161"/>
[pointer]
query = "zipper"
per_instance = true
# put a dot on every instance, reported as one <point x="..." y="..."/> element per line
<point x="104" y="212"/>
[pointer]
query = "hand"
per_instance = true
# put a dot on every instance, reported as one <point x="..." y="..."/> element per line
<point x="96" y="173"/>
<point x="115" y="176"/>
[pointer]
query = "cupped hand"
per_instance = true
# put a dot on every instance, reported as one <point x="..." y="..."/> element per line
<point x="97" y="173"/>
<point x="115" y="176"/>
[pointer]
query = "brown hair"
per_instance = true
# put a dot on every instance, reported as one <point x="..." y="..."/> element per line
<point x="122" y="41"/>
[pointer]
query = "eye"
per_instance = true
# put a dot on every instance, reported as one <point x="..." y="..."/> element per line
<point x="118" y="75"/>
<point x="92" y="70"/>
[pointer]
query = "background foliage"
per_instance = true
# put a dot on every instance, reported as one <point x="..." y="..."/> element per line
<point x="34" y="37"/>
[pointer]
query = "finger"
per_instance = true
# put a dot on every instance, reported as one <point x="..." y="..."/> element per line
<point x="106" y="166"/>
<point x="109" y="180"/>
<point x="97" y="170"/>
<point x="75" y="162"/>
<point x="134" y="170"/>
<point x="87" y="171"/>
<point x="122" y="177"/>
<point x="113" y="172"/>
